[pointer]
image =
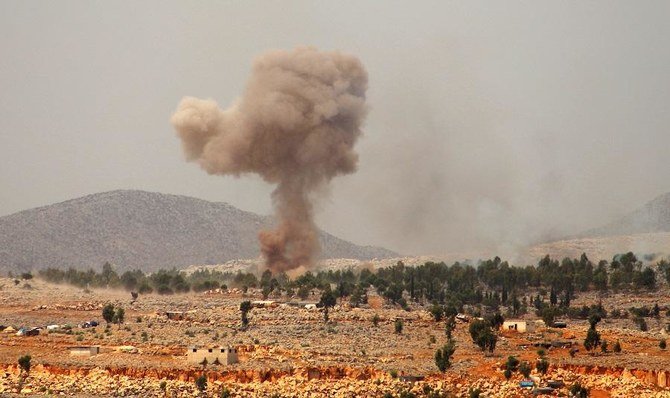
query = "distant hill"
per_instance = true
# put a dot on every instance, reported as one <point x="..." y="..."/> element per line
<point x="652" y="217"/>
<point x="145" y="230"/>
<point x="645" y="231"/>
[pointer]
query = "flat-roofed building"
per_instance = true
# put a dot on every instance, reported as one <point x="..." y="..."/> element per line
<point x="212" y="356"/>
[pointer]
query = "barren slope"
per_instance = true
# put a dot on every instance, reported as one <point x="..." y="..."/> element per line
<point x="136" y="229"/>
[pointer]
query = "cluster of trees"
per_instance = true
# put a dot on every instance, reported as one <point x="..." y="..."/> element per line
<point x="161" y="282"/>
<point x="492" y="283"/>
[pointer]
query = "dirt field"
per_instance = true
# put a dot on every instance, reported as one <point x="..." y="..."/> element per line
<point x="290" y="351"/>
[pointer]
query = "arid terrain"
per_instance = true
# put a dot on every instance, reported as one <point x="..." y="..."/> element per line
<point x="290" y="351"/>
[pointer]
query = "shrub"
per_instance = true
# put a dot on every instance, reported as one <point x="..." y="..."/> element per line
<point x="201" y="383"/>
<point x="617" y="347"/>
<point x="406" y="394"/>
<point x="662" y="344"/>
<point x="512" y="364"/>
<point x="641" y="323"/>
<point x="375" y="320"/>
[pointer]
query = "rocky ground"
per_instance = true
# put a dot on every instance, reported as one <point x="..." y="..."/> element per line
<point x="291" y="352"/>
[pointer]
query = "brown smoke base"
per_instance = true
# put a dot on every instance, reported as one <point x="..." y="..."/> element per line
<point x="295" y="126"/>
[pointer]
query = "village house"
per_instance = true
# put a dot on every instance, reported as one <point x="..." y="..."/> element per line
<point x="212" y="356"/>
<point x="518" y="325"/>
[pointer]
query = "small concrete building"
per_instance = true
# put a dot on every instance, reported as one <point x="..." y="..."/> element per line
<point x="84" y="350"/>
<point x="517" y="325"/>
<point x="213" y="356"/>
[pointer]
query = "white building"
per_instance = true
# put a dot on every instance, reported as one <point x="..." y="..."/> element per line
<point x="518" y="325"/>
<point x="212" y="356"/>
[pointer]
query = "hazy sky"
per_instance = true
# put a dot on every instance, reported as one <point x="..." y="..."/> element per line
<point x="491" y="123"/>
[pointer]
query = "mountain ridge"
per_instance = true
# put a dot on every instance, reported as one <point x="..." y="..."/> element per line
<point x="140" y="229"/>
<point x="653" y="216"/>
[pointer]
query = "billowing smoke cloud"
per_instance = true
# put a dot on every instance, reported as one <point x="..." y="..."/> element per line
<point x="296" y="126"/>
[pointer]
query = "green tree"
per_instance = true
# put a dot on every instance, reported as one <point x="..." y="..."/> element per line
<point x="443" y="356"/>
<point x="358" y="296"/>
<point x="524" y="369"/>
<point x="508" y="374"/>
<point x="548" y="315"/>
<point x="512" y="364"/>
<point x="245" y="307"/>
<point x="450" y="326"/>
<point x="437" y="311"/>
<point x="594" y="319"/>
<point x="201" y="383"/>
<point x="641" y="324"/>
<point x="108" y="313"/>
<point x="303" y="292"/>
<point x="327" y="301"/>
<point x="119" y="316"/>
<point x="617" y="347"/>
<point x="662" y="344"/>
<point x="592" y="339"/>
<point x="483" y="336"/>
<point x="24" y="363"/>
<point x="542" y="365"/>
<point x="398" y="326"/>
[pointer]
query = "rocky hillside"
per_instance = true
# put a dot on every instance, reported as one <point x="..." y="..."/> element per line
<point x="652" y="217"/>
<point x="136" y="229"/>
<point x="645" y="231"/>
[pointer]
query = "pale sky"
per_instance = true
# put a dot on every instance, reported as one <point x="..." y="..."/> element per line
<point x="492" y="124"/>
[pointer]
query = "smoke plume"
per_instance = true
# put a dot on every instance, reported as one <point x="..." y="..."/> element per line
<point x="296" y="126"/>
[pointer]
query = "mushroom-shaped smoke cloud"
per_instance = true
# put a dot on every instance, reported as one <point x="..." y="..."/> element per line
<point x="296" y="126"/>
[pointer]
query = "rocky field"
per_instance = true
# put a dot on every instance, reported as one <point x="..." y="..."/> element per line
<point x="291" y="352"/>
